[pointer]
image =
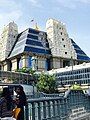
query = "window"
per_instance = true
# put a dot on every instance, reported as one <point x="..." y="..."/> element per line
<point x="62" y="39"/>
<point x="61" y="33"/>
<point x="63" y="45"/>
<point x="65" y="52"/>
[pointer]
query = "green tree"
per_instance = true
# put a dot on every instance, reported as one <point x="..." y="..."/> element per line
<point x="46" y="83"/>
<point x="26" y="70"/>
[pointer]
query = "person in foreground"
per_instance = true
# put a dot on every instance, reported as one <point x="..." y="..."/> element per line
<point x="20" y="102"/>
<point x="6" y="105"/>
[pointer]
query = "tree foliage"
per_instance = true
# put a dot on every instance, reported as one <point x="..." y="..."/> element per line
<point x="26" y="70"/>
<point x="46" y="83"/>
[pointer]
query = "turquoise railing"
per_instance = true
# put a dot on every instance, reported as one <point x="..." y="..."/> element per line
<point x="46" y="109"/>
<point x="73" y="105"/>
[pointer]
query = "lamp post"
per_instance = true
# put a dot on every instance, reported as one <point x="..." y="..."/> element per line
<point x="44" y="45"/>
<point x="36" y="64"/>
<point x="33" y="88"/>
<point x="27" y="78"/>
<point x="72" y="69"/>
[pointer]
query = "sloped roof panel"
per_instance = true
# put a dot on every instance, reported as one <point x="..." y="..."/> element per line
<point x="33" y="41"/>
<point x="80" y="53"/>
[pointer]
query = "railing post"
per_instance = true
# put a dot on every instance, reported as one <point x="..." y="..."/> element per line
<point x="49" y="109"/>
<point x="39" y="111"/>
<point x="53" y="108"/>
<point x="44" y="110"/>
<point x="26" y="112"/>
<point x="58" y="108"/>
<point x="33" y="111"/>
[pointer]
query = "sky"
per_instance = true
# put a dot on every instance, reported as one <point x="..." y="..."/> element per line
<point x="74" y="13"/>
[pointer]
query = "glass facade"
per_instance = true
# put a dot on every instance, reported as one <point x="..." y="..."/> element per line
<point x="80" y="76"/>
<point x="31" y="41"/>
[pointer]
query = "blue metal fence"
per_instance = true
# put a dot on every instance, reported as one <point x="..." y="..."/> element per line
<point x="74" y="105"/>
<point x="45" y="109"/>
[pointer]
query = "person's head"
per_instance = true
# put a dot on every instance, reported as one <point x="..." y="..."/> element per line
<point x="19" y="89"/>
<point x="6" y="92"/>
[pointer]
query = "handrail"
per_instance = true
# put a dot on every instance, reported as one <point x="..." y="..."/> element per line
<point x="44" y="108"/>
<point x="40" y="95"/>
<point x="44" y="99"/>
<point x="59" y="108"/>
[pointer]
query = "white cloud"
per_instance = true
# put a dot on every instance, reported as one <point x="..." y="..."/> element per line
<point x="67" y="3"/>
<point x="35" y="3"/>
<point x="6" y="17"/>
<point x="1" y="17"/>
<point x="9" y="11"/>
<point x="23" y="27"/>
<point x="9" y="17"/>
<point x="14" y="15"/>
<point x="72" y="4"/>
<point x="83" y="1"/>
<point x="8" y="4"/>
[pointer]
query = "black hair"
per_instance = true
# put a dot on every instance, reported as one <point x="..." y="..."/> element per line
<point x="6" y="94"/>
<point x="20" y="88"/>
<point x="22" y="95"/>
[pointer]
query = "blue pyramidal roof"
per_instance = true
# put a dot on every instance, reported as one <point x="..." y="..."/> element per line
<point x="31" y="40"/>
<point x="80" y="54"/>
<point x="34" y="41"/>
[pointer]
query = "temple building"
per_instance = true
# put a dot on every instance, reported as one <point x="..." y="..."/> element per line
<point x="37" y="49"/>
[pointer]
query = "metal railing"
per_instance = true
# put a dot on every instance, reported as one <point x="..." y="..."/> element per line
<point x="74" y="105"/>
<point x="44" y="95"/>
<point x="46" y="109"/>
<point x="16" y="77"/>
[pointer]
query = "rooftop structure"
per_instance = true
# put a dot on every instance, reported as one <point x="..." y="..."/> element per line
<point x="59" y="40"/>
<point x="63" y="48"/>
<point x="7" y="40"/>
<point x="69" y="68"/>
<point x="80" y="74"/>
<point x="32" y="41"/>
<point x="39" y="50"/>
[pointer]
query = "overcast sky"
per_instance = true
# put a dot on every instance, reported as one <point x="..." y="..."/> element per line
<point x="74" y="13"/>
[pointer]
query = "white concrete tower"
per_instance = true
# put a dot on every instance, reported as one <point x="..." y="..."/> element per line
<point x="59" y="40"/>
<point x="61" y="46"/>
<point x="7" y="40"/>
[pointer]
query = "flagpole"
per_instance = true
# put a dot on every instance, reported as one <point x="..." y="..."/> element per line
<point x="32" y="21"/>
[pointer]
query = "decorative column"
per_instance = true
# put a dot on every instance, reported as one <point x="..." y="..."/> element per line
<point x="1" y="66"/>
<point x="61" y="63"/>
<point x="5" y="66"/>
<point x="24" y="61"/>
<point x="14" y="64"/>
